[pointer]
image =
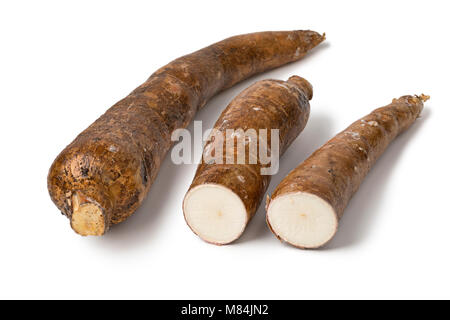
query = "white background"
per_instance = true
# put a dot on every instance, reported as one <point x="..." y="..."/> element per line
<point x="62" y="64"/>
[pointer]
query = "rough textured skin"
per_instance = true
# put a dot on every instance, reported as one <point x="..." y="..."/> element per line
<point x="114" y="162"/>
<point x="335" y="171"/>
<point x="267" y="104"/>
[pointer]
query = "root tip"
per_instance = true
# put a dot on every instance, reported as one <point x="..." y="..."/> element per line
<point x="424" y="97"/>
<point x="303" y="85"/>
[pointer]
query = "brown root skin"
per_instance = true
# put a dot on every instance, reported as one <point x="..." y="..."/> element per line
<point x="115" y="161"/>
<point x="267" y="104"/>
<point x="335" y="171"/>
<point x="303" y="85"/>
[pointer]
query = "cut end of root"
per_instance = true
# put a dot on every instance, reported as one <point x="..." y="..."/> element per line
<point x="87" y="218"/>
<point x="215" y="213"/>
<point x="424" y="97"/>
<point x="302" y="219"/>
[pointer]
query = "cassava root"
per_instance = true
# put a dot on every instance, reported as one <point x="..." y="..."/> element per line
<point x="305" y="208"/>
<point x="224" y="196"/>
<point x="112" y="164"/>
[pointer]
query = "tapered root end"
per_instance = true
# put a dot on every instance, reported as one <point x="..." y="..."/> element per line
<point x="316" y="38"/>
<point x="303" y="85"/>
<point x="302" y="219"/>
<point x="215" y="213"/>
<point x="309" y="39"/>
<point x="87" y="218"/>
<point x="424" y="97"/>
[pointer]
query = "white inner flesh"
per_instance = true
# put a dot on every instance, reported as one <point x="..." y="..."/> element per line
<point x="215" y="213"/>
<point x="302" y="219"/>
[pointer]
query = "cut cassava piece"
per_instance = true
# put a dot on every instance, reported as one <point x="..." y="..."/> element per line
<point x="112" y="164"/>
<point x="305" y="208"/>
<point x="224" y="196"/>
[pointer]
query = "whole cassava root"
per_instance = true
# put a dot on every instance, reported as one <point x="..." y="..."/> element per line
<point x="305" y="208"/>
<point x="102" y="177"/>
<point x="223" y="197"/>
